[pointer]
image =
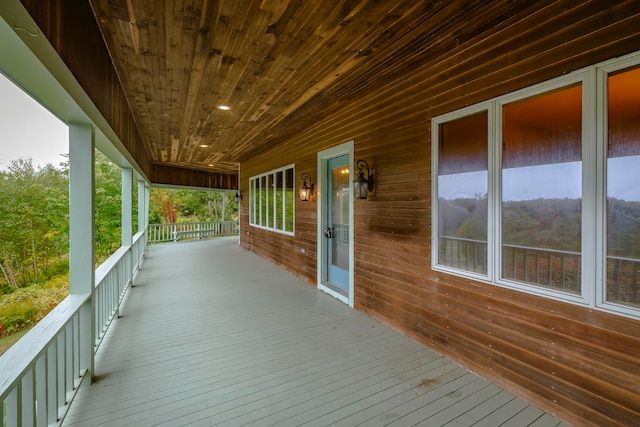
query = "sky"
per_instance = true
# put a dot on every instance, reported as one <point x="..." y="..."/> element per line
<point x="28" y="130"/>
<point x="554" y="181"/>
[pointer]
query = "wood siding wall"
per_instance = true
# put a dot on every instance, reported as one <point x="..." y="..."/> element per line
<point x="73" y="32"/>
<point x="71" y="29"/>
<point x="581" y="364"/>
<point x="161" y="174"/>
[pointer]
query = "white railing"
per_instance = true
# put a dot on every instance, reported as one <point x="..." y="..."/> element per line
<point x="113" y="278"/>
<point x="41" y="373"/>
<point x="190" y="230"/>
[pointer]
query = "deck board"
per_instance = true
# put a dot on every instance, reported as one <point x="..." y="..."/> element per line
<point x="212" y="334"/>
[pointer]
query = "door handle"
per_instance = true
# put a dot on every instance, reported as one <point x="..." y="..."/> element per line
<point x="328" y="232"/>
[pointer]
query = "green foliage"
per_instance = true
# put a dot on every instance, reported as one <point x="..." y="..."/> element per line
<point x="34" y="219"/>
<point x="266" y="211"/>
<point x="543" y="223"/>
<point x="108" y="207"/>
<point x="171" y="206"/>
<point x="25" y="307"/>
<point x="34" y="211"/>
<point x="465" y="218"/>
<point x="34" y="225"/>
<point x="623" y="231"/>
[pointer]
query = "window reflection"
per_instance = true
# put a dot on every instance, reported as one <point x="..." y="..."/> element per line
<point x="263" y="201"/>
<point x="279" y="199"/>
<point x="289" y="204"/>
<point x="462" y="193"/>
<point x="623" y="191"/>
<point x="271" y="200"/>
<point x="252" y="206"/>
<point x="542" y="190"/>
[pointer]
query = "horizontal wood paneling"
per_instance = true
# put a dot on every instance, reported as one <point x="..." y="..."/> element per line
<point x="169" y="175"/>
<point x="580" y="363"/>
<point x="284" y="250"/>
<point x="72" y="30"/>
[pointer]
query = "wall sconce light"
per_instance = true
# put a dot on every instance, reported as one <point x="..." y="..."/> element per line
<point x="361" y="185"/>
<point x="238" y="196"/>
<point x="306" y="191"/>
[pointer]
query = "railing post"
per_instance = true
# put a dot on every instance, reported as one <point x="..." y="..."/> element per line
<point x="28" y="398"/>
<point x="81" y="233"/>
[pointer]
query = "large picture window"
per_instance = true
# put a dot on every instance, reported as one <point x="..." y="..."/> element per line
<point x="623" y="187"/>
<point x="541" y="199"/>
<point x="538" y="190"/>
<point x="462" y="193"/>
<point x="271" y="200"/>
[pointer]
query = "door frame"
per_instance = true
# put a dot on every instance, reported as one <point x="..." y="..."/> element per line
<point x="323" y="160"/>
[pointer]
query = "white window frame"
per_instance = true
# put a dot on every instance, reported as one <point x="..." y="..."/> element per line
<point x="435" y="138"/>
<point x="593" y="80"/>
<point x="255" y="202"/>
<point x="603" y="70"/>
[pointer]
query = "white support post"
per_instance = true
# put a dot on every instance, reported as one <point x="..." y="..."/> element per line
<point x="142" y="206"/>
<point x="81" y="233"/>
<point x="147" y="195"/>
<point x="127" y="207"/>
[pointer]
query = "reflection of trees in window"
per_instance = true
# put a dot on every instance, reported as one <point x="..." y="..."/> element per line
<point x="540" y="131"/>
<point x="289" y="200"/>
<point x="623" y="197"/>
<point x="278" y="187"/>
<point x="539" y="202"/>
<point x="263" y="201"/>
<point x="271" y="202"/>
<point x="462" y="208"/>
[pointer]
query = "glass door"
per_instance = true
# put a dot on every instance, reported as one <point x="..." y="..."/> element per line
<point x="337" y="230"/>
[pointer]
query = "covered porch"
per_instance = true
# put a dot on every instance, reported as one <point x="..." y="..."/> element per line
<point x="211" y="333"/>
<point x="259" y="97"/>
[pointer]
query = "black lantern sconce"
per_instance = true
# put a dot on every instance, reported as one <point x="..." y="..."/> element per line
<point x="306" y="191"/>
<point x="238" y="196"/>
<point x="361" y="185"/>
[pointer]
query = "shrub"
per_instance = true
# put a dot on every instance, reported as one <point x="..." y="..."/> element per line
<point x="25" y="307"/>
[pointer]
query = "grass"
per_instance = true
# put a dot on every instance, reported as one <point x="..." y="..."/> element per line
<point x="21" y="309"/>
<point x="7" y="342"/>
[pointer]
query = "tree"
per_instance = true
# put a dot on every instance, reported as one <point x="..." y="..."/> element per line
<point x="171" y="206"/>
<point x="108" y="207"/>
<point x="164" y="207"/>
<point x="34" y="213"/>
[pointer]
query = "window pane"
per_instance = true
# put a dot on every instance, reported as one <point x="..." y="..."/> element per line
<point x="462" y="193"/>
<point x="252" y="202"/>
<point x="263" y="201"/>
<point x="542" y="190"/>
<point x="279" y="194"/>
<point x="269" y="199"/>
<point x="289" y="200"/>
<point x="623" y="190"/>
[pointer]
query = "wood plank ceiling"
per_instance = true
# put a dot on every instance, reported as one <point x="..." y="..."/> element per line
<point x="278" y="64"/>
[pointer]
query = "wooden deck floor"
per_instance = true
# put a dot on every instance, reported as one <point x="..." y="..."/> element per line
<point x="214" y="335"/>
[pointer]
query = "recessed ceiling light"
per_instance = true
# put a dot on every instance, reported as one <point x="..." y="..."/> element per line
<point x="203" y="145"/>
<point x="224" y="107"/>
<point x="210" y="164"/>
